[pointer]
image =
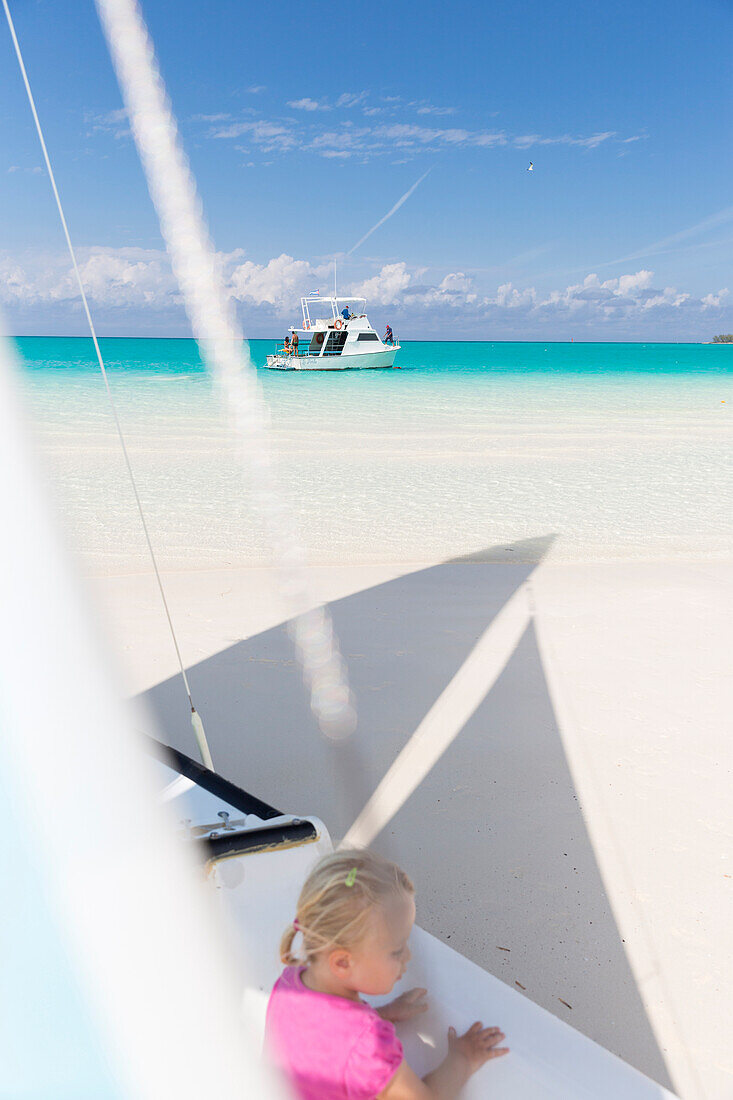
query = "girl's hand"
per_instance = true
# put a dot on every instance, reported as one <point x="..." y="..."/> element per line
<point x="478" y="1045"/>
<point x="405" y="1007"/>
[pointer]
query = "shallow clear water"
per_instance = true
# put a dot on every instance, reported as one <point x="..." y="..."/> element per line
<point x="623" y="451"/>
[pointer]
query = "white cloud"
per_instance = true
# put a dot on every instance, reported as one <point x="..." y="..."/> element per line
<point x="667" y="297"/>
<point x="351" y="99"/>
<point x="455" y="282"/>
<point x="374" y="140"/>
<point x="112" y="122"/>
<point x="407" y="134"/>
<point x="269" y="137"/>
<point x="630" y="285"/>
<point x="714" y="301"/>
<point x="136" y="279"/>
<point x="455" y="293"/>
<point x="387" y="287"/>
<point x="307" y="104"/>
<point x="124" y="277"/>
<point x="510" y="297"/>
<point x="627" y="296"/>
<point x="138" y="283"/>
<point x="351" y="138"/>
<point x="280" y="282"/>
<point x="526" y="141"/>
<point x="345" y="101"/>
<point x="117" y="277"/>
<point x="590" y="306"/>
<point x="591" y="142"/>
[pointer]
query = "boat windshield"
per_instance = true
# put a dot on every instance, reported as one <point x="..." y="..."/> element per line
<point x="317" y="308"/>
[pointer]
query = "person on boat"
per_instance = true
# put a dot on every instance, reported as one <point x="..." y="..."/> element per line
<point x="346" y="314"/>
<point x="294" y="343"/>
<point x="355" y="914"/>
<point x="287" y="350"/>
<point x="388" y="337"/>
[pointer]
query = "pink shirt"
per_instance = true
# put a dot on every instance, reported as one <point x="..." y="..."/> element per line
<point x="330" y="1048"/>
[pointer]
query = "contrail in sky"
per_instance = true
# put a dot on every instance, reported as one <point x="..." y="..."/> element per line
<point x="715" y="219"/>
<point x="662" y="246"/>
<point x="388" y="215"/>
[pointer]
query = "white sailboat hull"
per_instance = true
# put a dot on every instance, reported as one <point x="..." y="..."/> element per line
<point x="549" y="1060"/>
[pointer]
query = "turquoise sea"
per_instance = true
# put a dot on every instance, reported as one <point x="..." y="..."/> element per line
<point x="160" y="356"/>
<point x="623" y="451"/>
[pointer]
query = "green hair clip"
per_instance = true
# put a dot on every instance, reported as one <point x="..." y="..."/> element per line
<point x="351" y="877"/>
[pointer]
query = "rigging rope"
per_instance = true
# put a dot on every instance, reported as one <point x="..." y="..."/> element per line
<point x="209" y="307"/>
<point x="195" y="717"/>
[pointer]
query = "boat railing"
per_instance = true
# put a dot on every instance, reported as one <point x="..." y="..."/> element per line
<point x="304" y="347"/>
<point x="280" y="349"/>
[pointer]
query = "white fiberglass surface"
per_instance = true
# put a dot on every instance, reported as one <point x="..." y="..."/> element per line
<point x="548" y="1061"/>
<point x="191" y="805"/>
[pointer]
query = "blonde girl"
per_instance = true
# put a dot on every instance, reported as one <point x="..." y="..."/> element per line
<point x="355" y="914"/>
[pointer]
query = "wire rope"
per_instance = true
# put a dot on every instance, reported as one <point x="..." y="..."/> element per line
<point x="195" y="717"/>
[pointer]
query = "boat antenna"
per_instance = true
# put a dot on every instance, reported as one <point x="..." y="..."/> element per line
<point x="334" y="278"/>
<point x="196" y="722"/>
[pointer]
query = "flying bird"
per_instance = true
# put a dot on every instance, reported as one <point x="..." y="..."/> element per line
<point x="531" y="167"/>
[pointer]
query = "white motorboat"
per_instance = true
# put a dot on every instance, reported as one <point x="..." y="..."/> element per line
<point x="337" y="337"/>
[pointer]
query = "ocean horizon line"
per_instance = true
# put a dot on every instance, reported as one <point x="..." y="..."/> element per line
<point x="407" y="340"/>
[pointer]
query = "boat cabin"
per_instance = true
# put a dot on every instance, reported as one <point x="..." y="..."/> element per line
<point x="330" y="323"/>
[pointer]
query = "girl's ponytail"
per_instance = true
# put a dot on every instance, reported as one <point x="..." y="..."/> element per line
<point x="287" y="958"/>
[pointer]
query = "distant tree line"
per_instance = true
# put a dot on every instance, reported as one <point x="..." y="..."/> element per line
<point x="723" y="339"/>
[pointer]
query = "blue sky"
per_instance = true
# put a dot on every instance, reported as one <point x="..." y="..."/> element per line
<point x="306" y="124"/>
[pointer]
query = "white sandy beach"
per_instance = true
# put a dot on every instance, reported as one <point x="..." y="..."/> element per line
<point x="574" y="837"/>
